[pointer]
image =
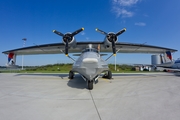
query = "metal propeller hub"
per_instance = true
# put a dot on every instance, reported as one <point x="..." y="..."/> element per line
<point x="112" y="37"/>
<point x="67" y="38"/>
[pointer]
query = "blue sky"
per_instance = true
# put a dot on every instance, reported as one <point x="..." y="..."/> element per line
<point x="151" y="21"/>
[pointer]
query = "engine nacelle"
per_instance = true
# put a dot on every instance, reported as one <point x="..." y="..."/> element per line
<point x="71" y="40"/>
<point x="108" y="39"/>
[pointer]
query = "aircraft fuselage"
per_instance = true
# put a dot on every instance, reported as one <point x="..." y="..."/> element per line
<point x="90" y="64"/>
<point x="176" y="64"/>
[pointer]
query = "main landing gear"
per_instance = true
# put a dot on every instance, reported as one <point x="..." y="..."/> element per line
<point x="107" y="75"/>
<point x="71" y="74"/>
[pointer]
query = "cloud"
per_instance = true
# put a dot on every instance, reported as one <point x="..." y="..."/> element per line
<point x="122" y="12"/>
<point x="125" y="2"/>
<point x="122" y="7"/>
<point x="82" y="33"/>
<point x="140" y="24"/>
<point x="87" y="38"/>
<point x="145" y="15"/>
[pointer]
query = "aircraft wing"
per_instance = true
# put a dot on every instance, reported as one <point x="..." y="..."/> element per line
<point x="58" y="48"/>
<point x="139" y="48"/>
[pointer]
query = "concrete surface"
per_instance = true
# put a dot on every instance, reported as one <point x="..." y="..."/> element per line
<point x="55" y="97"/>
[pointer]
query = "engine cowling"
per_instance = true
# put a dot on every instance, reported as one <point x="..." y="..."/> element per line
<point x="109" y="38"/>
<point x="69" y="39"/>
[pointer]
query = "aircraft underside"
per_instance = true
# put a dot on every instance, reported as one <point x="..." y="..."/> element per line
<point x="89" y="65"/>
<point x="90" y="75"/>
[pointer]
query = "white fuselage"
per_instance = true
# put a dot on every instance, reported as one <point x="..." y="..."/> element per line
<point x="176" y="64"/>
<point x="90" y="64"/>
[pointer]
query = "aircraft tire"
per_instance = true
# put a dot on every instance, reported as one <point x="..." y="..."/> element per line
<point x="71" y="74"/>
<point x="90" y="85"/>
<point x="109" y="75"/>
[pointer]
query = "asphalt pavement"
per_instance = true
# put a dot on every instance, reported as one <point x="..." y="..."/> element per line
<point x="142" y="96"/>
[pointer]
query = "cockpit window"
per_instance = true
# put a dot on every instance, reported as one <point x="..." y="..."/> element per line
<point x="90" y="50"/>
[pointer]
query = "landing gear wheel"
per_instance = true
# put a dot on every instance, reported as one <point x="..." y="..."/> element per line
<point x="109" y="75"/>
<point x="90" y="84"/>
<point x="71" y="74"/>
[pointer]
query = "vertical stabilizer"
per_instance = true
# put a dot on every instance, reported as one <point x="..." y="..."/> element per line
<point x="11" y="59"/>
<point x="169" y="55"/>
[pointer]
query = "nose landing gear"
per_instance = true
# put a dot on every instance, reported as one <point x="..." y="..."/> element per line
<point x="90" y="84"/>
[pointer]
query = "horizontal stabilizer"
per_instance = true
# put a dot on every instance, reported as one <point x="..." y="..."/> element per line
<point x="103" y="54"/>
<point x="80" y="54"/>
<point x="76" y="54"/>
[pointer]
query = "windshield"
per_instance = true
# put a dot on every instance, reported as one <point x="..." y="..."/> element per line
<point x="90" y="50"/>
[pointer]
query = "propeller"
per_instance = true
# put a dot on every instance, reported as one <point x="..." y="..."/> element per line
<point x="102" y="32"/>
<point x="68" y="37"/>
<point x="112" y="37"/>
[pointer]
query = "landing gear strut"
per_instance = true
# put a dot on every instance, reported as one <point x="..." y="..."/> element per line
<point x="90" y="84"/>
<point x="71" y="74"/>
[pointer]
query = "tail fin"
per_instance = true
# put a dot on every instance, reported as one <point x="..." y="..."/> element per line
<point x="168" y="53"/>
<point x="11" y="58"/>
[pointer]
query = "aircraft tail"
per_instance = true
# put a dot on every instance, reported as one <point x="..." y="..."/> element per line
<point x="11" y="59"/>
<point x="165" y="60"/>
<point x="161" y="59"/>
<point x="168" y="54"/>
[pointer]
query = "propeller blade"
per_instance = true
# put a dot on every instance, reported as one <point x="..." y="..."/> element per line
<point x="120" y="32"/>
<point x="102" y="32"/>
<point x="77" y="31"/>
<point x="66" y="48"/>
<point x="114" y="47"/>
<point x="58" y="33"/>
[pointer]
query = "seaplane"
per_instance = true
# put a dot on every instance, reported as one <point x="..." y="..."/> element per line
<point x="89" y="63"/>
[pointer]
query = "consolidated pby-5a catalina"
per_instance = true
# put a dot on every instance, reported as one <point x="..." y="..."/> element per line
<point x="89" y="63"/>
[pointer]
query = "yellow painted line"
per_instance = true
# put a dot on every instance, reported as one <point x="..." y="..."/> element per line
<point x="107" y="80"/>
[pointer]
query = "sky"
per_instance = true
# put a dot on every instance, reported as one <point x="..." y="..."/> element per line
<point x="152" y="22"/>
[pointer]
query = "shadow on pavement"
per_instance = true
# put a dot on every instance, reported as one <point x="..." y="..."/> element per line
<point x="77" y="82"/>
<point x="44" y="74"/>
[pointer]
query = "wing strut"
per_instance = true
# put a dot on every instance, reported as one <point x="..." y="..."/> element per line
<point x="69" y="57"/>
<point x="112" y="55"/>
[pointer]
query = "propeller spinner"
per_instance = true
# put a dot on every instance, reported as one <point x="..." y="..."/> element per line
<point x="68" y="37"/>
